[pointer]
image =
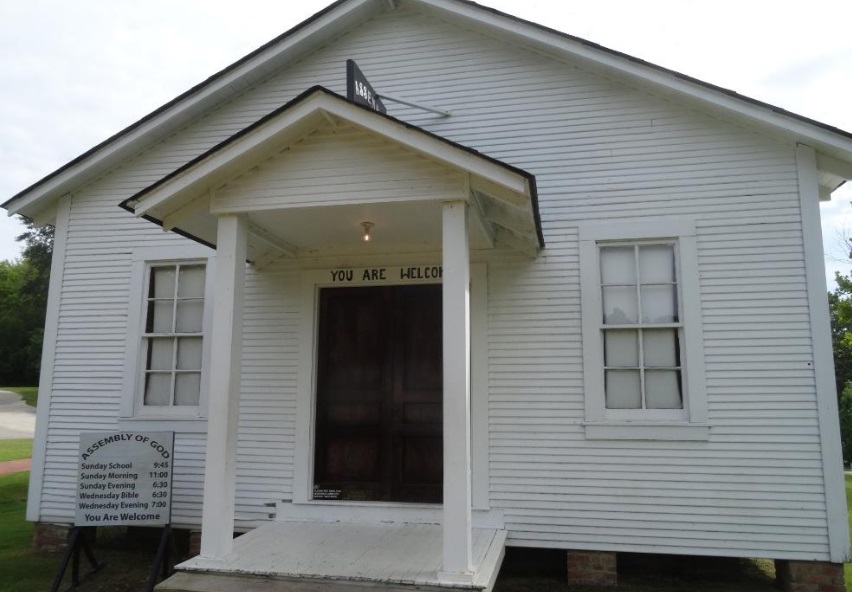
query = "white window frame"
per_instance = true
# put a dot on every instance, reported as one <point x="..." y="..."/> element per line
<point x="134" y="414"/>
<point x="689" y="423"/>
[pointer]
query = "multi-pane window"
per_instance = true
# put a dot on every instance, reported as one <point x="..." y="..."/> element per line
<point x="641" y="328"/>
<point x="173" y="337"/>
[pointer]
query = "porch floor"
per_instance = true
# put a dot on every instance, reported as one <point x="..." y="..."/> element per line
<point x="386" y="556"/>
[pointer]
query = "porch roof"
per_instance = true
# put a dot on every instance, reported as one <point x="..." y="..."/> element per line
<point x="308" y="173"/>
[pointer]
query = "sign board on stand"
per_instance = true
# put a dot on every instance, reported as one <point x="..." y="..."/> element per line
<point x="124" y="478"/>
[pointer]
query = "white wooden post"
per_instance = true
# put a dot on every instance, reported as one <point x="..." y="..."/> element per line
<point x="457" y="565"/>
<point x="217" y="519"/>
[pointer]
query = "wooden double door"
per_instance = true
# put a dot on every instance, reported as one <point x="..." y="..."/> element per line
<point x="379" y="394"/>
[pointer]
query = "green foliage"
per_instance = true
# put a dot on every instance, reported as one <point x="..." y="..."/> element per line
<point x="23" y="302"/>
<point x="840" y="311"/>
<point x="15" y="449"/>
<point x="846" y="422"/>
<point x="847" y="567"/>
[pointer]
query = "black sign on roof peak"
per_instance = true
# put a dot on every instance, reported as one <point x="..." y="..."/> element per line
<point x="359" y="90"/>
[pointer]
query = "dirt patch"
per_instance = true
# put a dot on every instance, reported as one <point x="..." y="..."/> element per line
<point x="15" y="466"/>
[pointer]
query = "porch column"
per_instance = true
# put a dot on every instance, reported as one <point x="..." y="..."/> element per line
<point x="458" y="565"/>
<point x="217" y="519"/>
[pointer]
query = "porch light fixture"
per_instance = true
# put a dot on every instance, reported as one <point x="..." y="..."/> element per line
<point x="367" y="226"/>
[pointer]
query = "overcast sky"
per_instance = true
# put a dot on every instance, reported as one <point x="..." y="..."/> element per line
<point x="74" y="73"/>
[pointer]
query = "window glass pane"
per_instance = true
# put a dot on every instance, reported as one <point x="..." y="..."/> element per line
<point x="662" y="389"/>
<point x="659" y="304"/>
<point x="187" y="388"/>
<point x="190" y="314"/>
<point x="162" y="282"/>
<point x="618" y="265"/>
<point x="619" y="305"/>
<point x="158" y="389"/>
<point x="660" y="348"/>
<point x="159" y="316"/>
<point x="621" y="348"/>
<point x="622" y="389"/>
<point x="160" y="354"/>
<point x="656" y="264"/>
<point x="189" y="353"/>
<point x="191" y="282"/>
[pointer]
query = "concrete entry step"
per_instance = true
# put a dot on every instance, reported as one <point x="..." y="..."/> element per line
<point x="363" y="556"/>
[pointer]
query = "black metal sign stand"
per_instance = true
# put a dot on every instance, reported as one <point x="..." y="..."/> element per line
<point x="72" y="555"/>
<point x="77" y="542"/>
<point x="161" y="561"/>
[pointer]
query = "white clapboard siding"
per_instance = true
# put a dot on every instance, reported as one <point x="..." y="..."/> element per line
<point x="268" y="405"/>
<point x="365" y="166"/>
<point x="601" y="149"/>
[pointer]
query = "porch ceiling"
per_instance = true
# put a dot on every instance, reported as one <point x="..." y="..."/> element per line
<point x="308" y="174"/>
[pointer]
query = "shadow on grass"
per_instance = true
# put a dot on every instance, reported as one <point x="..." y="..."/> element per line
<point x="127" y="555"/>
<point x="537" y="570"/>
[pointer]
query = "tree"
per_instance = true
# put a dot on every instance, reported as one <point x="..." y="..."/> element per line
<point x="23" y="304"/>
<point x="840" y="314"/>
<point x="846" y="422"/>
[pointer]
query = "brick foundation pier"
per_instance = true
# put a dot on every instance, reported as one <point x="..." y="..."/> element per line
<point x="809" y="576"/>
<point x="51" y="537"/>
<point x="592" y="568"/>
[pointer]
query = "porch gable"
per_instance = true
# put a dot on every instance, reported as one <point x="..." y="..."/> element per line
<point x="322" y="151"/>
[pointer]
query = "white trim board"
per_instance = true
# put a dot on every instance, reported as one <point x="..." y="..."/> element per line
<point x="823" y="360"/>
<point x="323" y="511"/>
<point x="48" y="356"/>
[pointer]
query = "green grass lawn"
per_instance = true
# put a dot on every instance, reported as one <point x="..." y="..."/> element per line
<point x="847" y="569"/>
<point x="29" y="393"/>
<point x="15" y="449"/>
<point x="21" y="569"/>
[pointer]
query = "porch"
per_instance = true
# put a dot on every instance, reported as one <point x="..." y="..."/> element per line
<point x="339" y="557"/>
<point x="293" y="186"/>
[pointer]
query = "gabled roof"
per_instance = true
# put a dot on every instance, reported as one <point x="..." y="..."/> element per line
<point x="833" y="146"/>
<point x="504" y="196"/>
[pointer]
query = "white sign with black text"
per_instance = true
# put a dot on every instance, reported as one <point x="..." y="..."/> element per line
<point x="124" y="478"/>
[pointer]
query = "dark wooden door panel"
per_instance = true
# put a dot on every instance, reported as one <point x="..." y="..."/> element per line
<point x="418" y="397"/>
<point x="353" y="340"/>
<point x="379" y="394"/>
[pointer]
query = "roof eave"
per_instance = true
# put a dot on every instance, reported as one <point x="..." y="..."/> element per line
<point x="254" y="141"/>
<point x="341" y="14"/>
<point x="826" y="138"/>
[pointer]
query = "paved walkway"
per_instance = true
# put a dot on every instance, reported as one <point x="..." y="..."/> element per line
<point x="15" y="466"/>
<point x="17" y="419"/>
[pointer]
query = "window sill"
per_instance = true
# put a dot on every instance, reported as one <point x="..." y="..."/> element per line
<point x="184" y="425"/>
<point x="646" y="430"/>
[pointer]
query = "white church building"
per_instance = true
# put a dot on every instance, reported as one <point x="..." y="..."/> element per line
<point x="516" y="290"/>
